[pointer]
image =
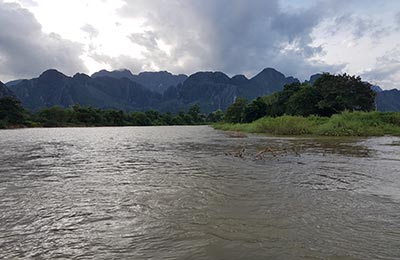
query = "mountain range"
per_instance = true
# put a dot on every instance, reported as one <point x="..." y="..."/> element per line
<point x="161" y="91"/>
<point x="155" y="81"/>
<point x="5" y="91"/>
<point x="119" y="90"/>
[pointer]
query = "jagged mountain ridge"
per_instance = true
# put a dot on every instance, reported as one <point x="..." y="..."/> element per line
<point x="211" y="90"/>
<point x="388" y="100"/>
<point x="53" y="88"/>
<point x="5" y="91"/>
<point x="155" y="81"/>
<point x="215" y="90"/>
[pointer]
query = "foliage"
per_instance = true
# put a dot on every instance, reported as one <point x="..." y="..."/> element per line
<point x="330" y="94"/>
<point x="343" y="92"/>
<point x="235" y="112"/>
<point x="216" y="116"/>
<point x="12" y="112"/>
<point x="303" y="102"/>
<point x="344" y="124"/>
<point x="255" y="110"/>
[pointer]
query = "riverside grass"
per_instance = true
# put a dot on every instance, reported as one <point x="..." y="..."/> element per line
<point x="344" y="124"/>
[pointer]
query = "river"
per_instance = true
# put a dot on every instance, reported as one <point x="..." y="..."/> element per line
<point x="196" y="193"/>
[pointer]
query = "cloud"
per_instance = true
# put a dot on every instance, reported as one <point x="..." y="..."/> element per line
<point x="90" y="30"/>
<point x="386" y="72"/>
<point x="358" y="26"/>
<point x="397" y="20"/>
<point x="121" y="62"/>
<point x="233" y="36"/>
<point x="25" y="51"/>
<point x="148" y="40"/>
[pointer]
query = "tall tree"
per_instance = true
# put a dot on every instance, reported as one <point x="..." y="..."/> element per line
<point x="344" y="92"/>
<point x="235" y="112"/>
<point x="11" y="111"/>
<point x="255" y="110"/>
<point x="303" y="102"/>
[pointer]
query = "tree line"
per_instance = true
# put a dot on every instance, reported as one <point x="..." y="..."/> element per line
<point x="13" y="114"/>
<point x="329" y="95"/>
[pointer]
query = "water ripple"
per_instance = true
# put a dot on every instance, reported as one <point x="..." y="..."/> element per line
<point x="196" y="193"/>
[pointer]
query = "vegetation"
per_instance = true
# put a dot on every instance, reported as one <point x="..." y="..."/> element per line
<point x="330" y="94"/>
<point x="344" y="124"/>
<point x="335" y="105"/>
<point x="12" y="115"/>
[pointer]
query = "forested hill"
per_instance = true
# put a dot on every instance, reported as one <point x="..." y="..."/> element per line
<point x="118" y="90"/>
<point x="388" y="100"/>
<point x="160" y="91"/>
<point x="4" y="91"/>
<point x="156" y="81"/>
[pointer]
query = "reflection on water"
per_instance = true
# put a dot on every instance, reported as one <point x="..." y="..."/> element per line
<point x="182" y="193"/>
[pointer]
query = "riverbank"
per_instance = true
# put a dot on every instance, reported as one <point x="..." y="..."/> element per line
<point x="29" y="126"/>
<point x="344" y="124"/>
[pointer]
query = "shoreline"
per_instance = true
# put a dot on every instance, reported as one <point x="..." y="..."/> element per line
<point x="17" y="127"/>
<point x="350" y="124"/>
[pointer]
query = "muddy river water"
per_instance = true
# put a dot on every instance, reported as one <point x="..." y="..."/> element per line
<point x="196" y="193"/>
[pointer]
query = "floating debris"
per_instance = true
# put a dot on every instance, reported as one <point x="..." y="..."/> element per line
<point x="267" y="151"/>
<point x="237" y="153"/>
<point x="260" y="154"/>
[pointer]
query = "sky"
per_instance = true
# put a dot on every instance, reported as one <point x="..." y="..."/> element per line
<point x="297" y="37"/>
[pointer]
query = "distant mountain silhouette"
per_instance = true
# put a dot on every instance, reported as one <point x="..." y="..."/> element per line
<point x="314" y="78"/>
<point x="155" y="81"/>
<point x="216" y="90"/>
<point x="124" y="90"/>
<point x="376" y="89"/>
<point x="211" y="90"/>
<point x="388" y="100"/>
<point x="5" y="91"/>
<point x="119" y="90"/>
<point x="266" y="82"/>
<point x="54" y="88"/>
<point x="13" y="82"/>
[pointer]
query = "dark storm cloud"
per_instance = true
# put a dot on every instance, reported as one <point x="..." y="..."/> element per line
<point x="25" y="51"/>
<point x="233" y="36"/>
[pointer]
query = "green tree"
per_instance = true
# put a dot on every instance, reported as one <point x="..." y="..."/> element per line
<point x="255" y="110"/>
<point x="113" y="117"/>
<point x="154" y="116"/>
<point x="344" y="92"/>
<point x="88" y="116"/>
<point x="216" y="116"/>
<point x="184" y="119"/>
<point x="194" y="112"/>
<point x="276" y="105"/>
<point x="235" y="112"/>
<point x="55" y="116"/>
<point x="303" y="102"/>
<point x="12" y="112"/>
<point x="139" y="119"/>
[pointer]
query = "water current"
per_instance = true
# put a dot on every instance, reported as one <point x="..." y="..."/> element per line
<point x="196" y="193"/>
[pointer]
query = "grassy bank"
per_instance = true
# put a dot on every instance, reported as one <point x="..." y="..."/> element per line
<point x="345" y="124"/>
